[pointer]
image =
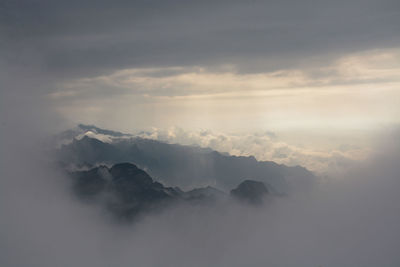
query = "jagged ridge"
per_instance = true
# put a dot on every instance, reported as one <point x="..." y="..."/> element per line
<point x="128" y="191"/>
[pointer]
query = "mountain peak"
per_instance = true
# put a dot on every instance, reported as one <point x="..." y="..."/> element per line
<point x="128" y="172"/>
<point x="97" y="130"/>
<point x="250" y="191"/>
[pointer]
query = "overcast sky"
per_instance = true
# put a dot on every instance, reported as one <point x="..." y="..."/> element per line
<point x="226" y="65"/>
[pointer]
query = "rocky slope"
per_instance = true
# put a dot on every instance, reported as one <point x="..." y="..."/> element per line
<point x="127" y="191"/>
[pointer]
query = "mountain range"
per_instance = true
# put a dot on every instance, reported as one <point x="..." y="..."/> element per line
<point x="188" y="167"/>
<point x="128" y="192"/>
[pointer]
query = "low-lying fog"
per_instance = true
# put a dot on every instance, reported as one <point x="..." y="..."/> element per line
<point x="352" y="220"/>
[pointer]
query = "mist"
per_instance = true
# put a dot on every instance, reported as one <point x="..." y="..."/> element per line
<point x="351" y="220"/>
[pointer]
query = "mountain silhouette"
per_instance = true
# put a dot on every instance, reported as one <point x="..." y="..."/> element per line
<point x="185" y="166"/>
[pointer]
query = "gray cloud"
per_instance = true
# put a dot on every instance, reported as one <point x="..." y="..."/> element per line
<point x="75" y="39"/>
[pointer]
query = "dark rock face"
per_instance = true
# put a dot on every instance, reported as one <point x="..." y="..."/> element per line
<point x="249" y="191"/>
<point x="125" y="190"/>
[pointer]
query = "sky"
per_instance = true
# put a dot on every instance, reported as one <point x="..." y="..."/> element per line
<point x="308" y="71"/>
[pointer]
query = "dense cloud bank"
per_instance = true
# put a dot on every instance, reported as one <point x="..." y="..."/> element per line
<point x="348" y="221"/>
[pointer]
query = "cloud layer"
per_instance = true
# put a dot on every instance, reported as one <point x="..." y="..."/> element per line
<point x="84" y="39"/>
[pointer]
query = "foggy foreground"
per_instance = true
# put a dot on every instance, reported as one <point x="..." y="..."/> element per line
<point x="352" y="220"/>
